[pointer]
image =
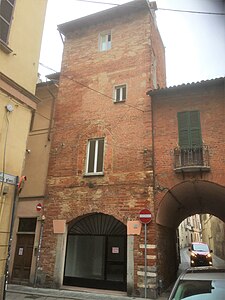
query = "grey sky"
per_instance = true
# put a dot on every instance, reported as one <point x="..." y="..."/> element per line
<point x="194" y="42"/>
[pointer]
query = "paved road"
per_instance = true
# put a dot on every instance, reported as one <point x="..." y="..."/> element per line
<point x="26" y="293"/>
<point x="185" y="260"/>
<point x="19" y="296"/>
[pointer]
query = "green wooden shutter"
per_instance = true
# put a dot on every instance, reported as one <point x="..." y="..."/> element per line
<point x="189" y="129"/>
<point x="183" y="128"/>
<point x="195" y="129"/>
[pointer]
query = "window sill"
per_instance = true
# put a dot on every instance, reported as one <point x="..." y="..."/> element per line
<point x="93" y="174"/>
<point x="102" y="51"/>
<point x="189" y="169"/>
<point x="121" y="101"/>
<point x="4" y="47"/>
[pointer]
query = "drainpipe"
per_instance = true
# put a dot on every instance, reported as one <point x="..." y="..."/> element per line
<point x="37" y="268"/>
<point x="159" y="280"/>
<point x="39" y="251"/>
<point x="52" y="113"/>
<point x="10" y="237"/>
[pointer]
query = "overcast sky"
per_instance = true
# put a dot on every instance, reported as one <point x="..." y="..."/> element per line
<point x="194" y="42"/>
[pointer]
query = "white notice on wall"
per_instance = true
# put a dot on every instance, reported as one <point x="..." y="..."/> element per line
<point x="20" y="251"/>
<point x="115" y="250"/>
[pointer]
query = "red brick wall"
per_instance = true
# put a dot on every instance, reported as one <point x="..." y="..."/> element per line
<point x="210" y="101"/>
<point x="82" y="113"/>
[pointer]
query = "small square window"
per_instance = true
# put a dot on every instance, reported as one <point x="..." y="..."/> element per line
<point x="95" y="152"/>
<point x="105" y="41"/>
<point x="120" y="93"/>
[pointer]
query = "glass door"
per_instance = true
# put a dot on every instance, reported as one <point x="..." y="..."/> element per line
<point x="85" y="257"/>
<point x="115" y="260"/>
<point x="96" y="253"/>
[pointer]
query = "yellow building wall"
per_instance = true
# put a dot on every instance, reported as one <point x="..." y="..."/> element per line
<point x="21" y="67"/>
<point x="25" y="42"/>
<point x="15" y="128"/>
<point x="13" y="138"/>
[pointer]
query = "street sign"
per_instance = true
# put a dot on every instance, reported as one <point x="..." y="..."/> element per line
<point x="39" y="207"/>
<point x="145" y="216"/>
<point x="7" y="178"/>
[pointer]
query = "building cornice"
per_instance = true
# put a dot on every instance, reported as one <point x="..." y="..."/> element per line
<point x="105" y="15"/>
<point x="188" y="86"/>
<point x="14" y="90"/>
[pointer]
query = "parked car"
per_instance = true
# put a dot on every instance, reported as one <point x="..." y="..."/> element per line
<point x="199" y="283"/>
<point x="200" y="255"/>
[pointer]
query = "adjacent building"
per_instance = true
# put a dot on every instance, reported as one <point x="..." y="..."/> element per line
<point x="20" y="41"/>
<point x="213" y="232"/>
<point x="29" y="219"/>
<point x="190" y="230"/>
<point x="189" y="168"/>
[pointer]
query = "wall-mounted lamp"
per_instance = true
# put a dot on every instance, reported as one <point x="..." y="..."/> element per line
<point x="9" y="107"/>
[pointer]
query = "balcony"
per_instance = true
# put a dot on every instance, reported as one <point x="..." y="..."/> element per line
<point x="191" y="159"/>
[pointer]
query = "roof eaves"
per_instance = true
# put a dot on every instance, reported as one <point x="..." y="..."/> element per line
<point x="103" y="15"/>
<point x="202" y="83"/>
<point x="19" y="88"/>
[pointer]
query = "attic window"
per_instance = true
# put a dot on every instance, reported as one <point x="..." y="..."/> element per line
<point x="105" y="39"/>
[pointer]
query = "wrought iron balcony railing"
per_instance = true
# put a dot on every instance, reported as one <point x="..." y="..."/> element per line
<point x="191" y="159"/>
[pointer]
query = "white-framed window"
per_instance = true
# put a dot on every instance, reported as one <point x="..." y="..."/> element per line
<point x="120" y="93"/>
<point x="105" y="41"/>
<point x="6" y="12"/>
<point x="95" y="155"/>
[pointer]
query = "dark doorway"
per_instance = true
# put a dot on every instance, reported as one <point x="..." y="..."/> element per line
<point x="23" y="257"/>
<point x="96" y="253"/>
<point x="24" y="250"/>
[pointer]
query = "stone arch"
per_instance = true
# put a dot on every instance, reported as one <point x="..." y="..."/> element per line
<point x="96" y="252"/>
<point x="189" y="198"/>
<point x="184" y="199"/>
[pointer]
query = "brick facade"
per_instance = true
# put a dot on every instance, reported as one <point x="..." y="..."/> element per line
<point x="85" y="110"/>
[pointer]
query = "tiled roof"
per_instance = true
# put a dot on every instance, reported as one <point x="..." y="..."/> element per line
<point x="105" y="15"/>
<point x="186" y="86"/>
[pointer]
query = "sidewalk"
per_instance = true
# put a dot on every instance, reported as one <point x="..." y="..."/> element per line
<point x="20" y="292"/>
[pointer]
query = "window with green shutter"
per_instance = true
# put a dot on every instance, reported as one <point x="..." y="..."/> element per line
<point x="189" y="128"/>
<point x="190" y="138"/>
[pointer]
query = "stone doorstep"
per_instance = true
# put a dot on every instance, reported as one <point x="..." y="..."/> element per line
<point x="67" y="294"/>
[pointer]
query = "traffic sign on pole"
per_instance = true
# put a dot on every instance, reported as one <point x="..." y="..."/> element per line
<point x="145" y="216"/>
<point x="39" y="207"/>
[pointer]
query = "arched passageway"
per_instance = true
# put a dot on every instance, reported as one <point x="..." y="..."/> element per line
<point x="189" y="198"/>
<point x="96" y="253"/>
<point x="183" y="200"/>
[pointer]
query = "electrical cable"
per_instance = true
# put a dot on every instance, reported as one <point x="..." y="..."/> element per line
<point x="86" y="86"/>
<point x="193" y="12"/>
<point x="42" y="116"/>
<point x="99" y="2"/>
<point x="166" y="9"/>
<point x="17" y="104"/>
